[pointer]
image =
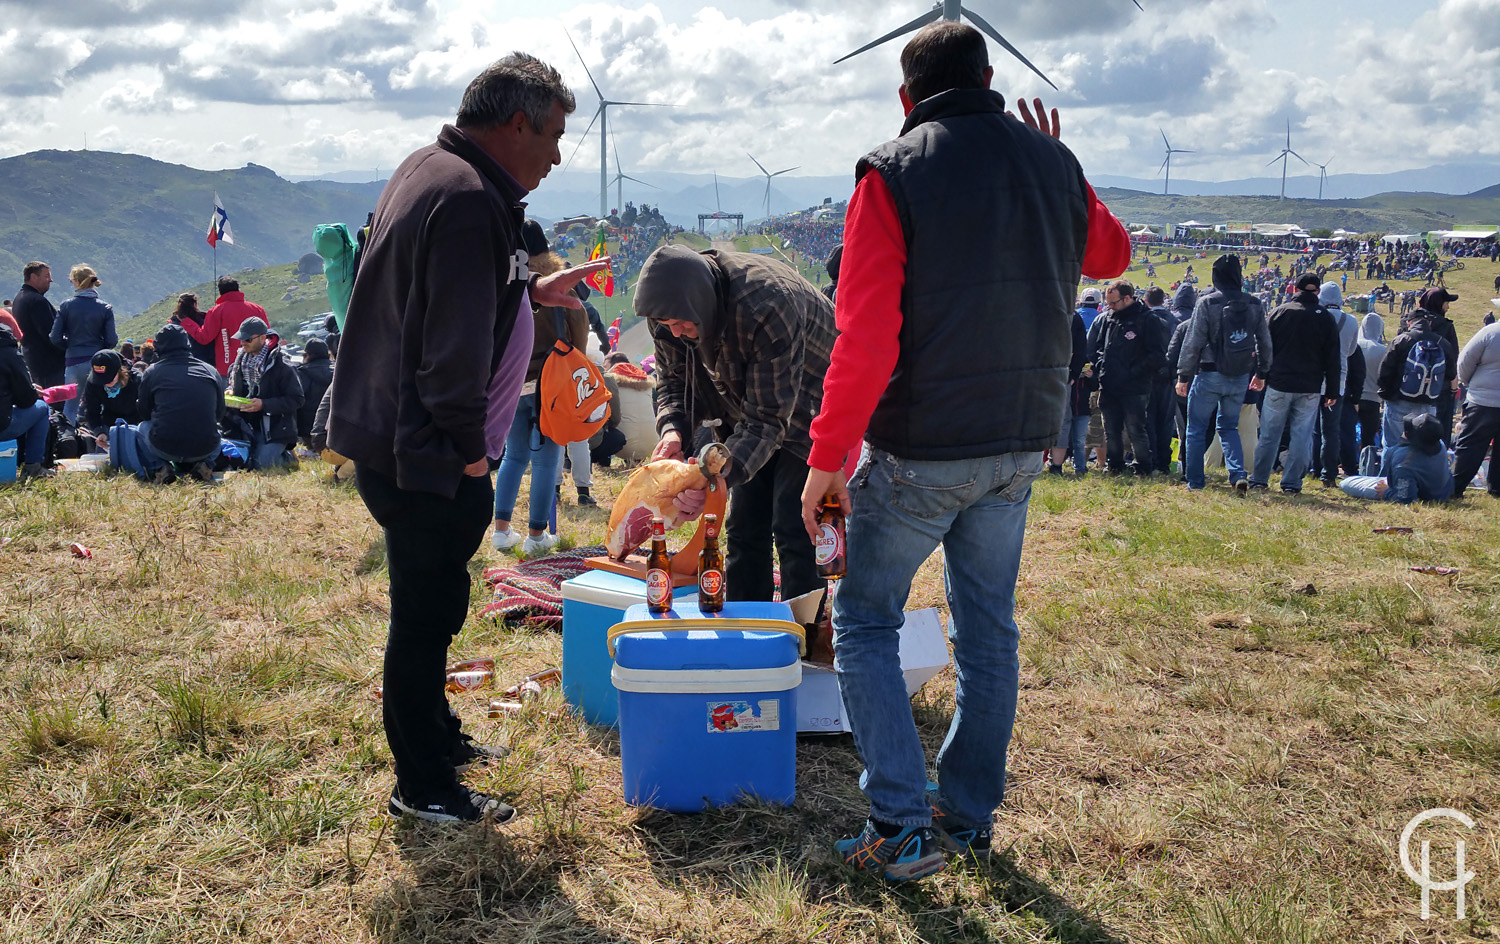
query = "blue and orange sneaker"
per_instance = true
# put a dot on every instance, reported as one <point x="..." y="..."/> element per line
<point x="971" y="842"/>
<point x="912" y="853"/>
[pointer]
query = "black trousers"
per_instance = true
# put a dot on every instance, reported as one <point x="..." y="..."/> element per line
<point x="766" y="510"/>
<point x="1126" y="414"/>
<point x="1369" y="423"/>
<point x="429" y="540"/>
<point x="1161" y="421"/>
<point x="1477" y="432"/>
<point x="1325" y="462"/>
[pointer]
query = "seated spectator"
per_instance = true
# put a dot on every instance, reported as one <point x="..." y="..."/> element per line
<point x="147" y="355"/>
<point x="262" y="374"/>
<point x="23" y="415"/>
<point x="633" y="410"/>
<point x="1416" y="468"/>
<point x="316" y="374"/>
<point x="112" y="391"/>
<point x="181" y="402"/>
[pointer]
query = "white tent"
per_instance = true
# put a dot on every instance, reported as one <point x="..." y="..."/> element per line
<point x="1463" y="233"/>
<point x="1409" y="238"/>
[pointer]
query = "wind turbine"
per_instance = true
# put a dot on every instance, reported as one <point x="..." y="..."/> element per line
<point x="1282" y="157"/>
<point x="769" y="175"/>
<point x="1322" y="174"/>
<point x="952" y="11"/>
<point x="602" y="117"/>
<point x="1167" y="164"/>
<point x="619" y="182"/>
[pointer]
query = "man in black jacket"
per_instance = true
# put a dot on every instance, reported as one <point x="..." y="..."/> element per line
<point x="35" y="315"/>
<point x="262" y="374"/>
<point x="1433" y="304"/>
<point x="315" y="373"/>
<point x="181" y="402"/>
<point x="1419" y="370"/>
<point x="1307" y="366"/>
<point x="1128" y="347"/>
<point x="430" y="371"/>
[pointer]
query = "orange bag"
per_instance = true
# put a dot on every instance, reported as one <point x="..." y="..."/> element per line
<point x="573" y="400"/>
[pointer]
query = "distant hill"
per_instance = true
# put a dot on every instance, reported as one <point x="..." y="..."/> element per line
<point x="278" y="289"/>
<point x="1382" y="213"/>
<point x="141" y="223"/>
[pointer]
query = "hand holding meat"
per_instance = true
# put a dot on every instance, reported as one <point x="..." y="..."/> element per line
<point x="669" y="488"/>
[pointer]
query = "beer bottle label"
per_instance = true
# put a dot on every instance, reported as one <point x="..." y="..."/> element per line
<point x="710" y="582"/>
<point x="830" y="544"/>
<point x="658" y="587"/>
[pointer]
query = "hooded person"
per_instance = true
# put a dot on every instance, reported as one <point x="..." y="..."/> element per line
<point x="1183" y="302"/>
<point x="742" y="344"/>
<point x="1329" y="451"/>
<point x="315" y="373"/>
<point x="1434" y="303"/>
<point x="23" y="414"/>
<point x="1415" y="469"/>
<point x="181" y="401"/>
<point x="1372" y="348"/>
<point x="831" y="266"/>
<point x="111" y="394"/>
<point x="262" y="374"/>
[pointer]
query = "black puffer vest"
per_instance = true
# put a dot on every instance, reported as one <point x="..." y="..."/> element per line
<point x="995" y="216"/>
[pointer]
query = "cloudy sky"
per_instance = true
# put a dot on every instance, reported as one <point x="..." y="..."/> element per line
<point x="316" y="86"/>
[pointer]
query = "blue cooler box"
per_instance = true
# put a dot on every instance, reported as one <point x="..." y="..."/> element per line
<point x="593" y="602"/>
<point x="8" y="454"/>
<point x="708" y="710"/>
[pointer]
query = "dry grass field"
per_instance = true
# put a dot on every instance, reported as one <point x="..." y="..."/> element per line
<point x="1230" y="707"/>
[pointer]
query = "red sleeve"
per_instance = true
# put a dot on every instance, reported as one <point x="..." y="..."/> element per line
<point x="208" y="331"/>
<point x="9" y="321"/>
<point x="1107" y="254"/>
<point x="868" y="314"/>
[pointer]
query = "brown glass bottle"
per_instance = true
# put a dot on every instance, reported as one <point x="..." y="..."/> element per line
<point x="830" y="546"/>
<point x="658" y="570"/>
<point x="710" y="569"/>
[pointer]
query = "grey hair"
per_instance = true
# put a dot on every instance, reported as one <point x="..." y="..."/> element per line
<point x="517" y="83"/>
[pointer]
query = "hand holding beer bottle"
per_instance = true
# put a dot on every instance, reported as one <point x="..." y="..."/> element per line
<point x="829" y="545"/>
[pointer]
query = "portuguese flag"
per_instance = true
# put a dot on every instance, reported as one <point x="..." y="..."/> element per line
<point x="602" y="282"/>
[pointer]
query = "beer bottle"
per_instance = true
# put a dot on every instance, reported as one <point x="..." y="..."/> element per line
<point x="658" y="570"/>
<point x="829" y="546"/>
<point x="710" y="569"/>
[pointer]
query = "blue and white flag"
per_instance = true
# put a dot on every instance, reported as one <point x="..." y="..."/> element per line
<point x="218" y="226"/>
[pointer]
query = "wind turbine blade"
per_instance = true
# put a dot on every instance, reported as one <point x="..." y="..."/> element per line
<point x="1138" y="5"/>
<point x="1182" y="151"/>
<point x="758" y="164"/>
<point x="640" y="181"/>
<point x="1163" y="166"/>
<point x="995" y="35"/>
<point x="787" y="171"/>
<point x="1297" y="156"/>
<point x="1164" y="139"/>
<point x="616" y="149"/>
<point x="584" y="64"/>
<point x="1275" y="159"/>
<point x="931" y="16"/>
<point x="647" y="104"/>
<point x="585" y="135"/>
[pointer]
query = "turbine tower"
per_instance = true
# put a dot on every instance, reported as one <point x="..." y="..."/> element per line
<point x="602" y="117"/>
<point x="619" y="182"/>
<point x="1167" y="164"/>
<point x="1282" y="157"/>
<point x="769" y="175"/>
<point x="1322" y="174"/>
<point x="952" y="11"/>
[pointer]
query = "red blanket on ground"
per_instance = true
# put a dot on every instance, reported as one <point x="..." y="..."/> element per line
<point x="531" y="592"/>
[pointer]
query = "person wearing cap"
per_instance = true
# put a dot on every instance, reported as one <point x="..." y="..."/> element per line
<point x="1479" y="429"/>
<point x="1414" y="469"/>
<point x="113" y="387"/>
<point x="742" y="344"/>
<point x="1435" y="302"/>
<point x="181" y="402"/>
<point x="85" y="325"/>
<point x="315" y="374"/>
<point x="1089" y="304"/>
<point x="262" y="374"/>
<point x="221" y="323"/>
<point x="1304" y="371"/>
<point x="1419" y="370"/>
<point x="526" y="445"/>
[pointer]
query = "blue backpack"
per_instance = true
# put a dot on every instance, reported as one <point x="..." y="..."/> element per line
<point x="1426" y="365"/>
<point x="124" y="454"/>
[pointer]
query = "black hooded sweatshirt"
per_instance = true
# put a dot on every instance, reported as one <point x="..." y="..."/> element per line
<point x="1305" y="341"/>
<point x="15" y="380"/>
<point x="182" y="397"/>
<point x="100" y="410"/>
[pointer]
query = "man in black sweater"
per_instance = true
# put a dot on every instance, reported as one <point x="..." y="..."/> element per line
<point x="1307" y="363"/>
<point x="35" y="314"/>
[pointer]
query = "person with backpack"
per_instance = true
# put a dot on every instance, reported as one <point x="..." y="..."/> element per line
<point x="181" y="402"/>
<point x="1227" y="350"/>
<point x="84" y="326"/>
<point x="1435" y="302"/>
<point x="526" y="445"/>
<point x="1128" y="346"/>
<point x="1306" y="368"/>
<point x="1418" y="370"/>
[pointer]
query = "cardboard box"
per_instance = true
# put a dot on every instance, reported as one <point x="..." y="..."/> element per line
<point x="924" y="653"/>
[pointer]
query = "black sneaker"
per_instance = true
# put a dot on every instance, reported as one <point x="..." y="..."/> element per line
<point x="1259" y="487"/>
<point x="1242" y="486"/>
<point x="164" y="475"/>
<point x="470" y="753"/>
<point x="458" y="804"/>
<point x="971" y="842"/>
<point x="586" y="500"/>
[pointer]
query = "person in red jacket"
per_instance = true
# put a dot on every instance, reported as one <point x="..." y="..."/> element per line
<point x="222" y="322"/>
<point x="963" y="247"/>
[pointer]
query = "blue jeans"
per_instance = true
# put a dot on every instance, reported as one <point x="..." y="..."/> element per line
<point x="30" y="423"/>
<point x="1393" y="419"/>
<point x="903" y="509"/>
<point x="1277" y="411"/>
<point x="77" y="374"/>
<point x="151" y="459"/>
<point x="525" y="445"/>
<point x="1074" y="437"/>
<point x="1363" y="486"/>
<point x="1214" y="391"/>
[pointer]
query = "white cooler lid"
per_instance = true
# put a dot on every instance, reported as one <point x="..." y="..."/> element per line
<point x="615" y="591"/>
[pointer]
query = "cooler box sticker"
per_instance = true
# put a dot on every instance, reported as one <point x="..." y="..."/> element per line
<point x="736" y="716"/>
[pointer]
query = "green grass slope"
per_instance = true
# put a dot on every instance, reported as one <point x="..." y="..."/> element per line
<point x="288" y="301"/>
